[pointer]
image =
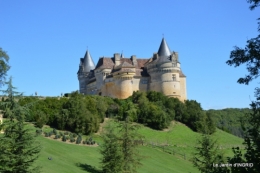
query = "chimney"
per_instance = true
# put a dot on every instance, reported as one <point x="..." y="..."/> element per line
<point x="117" y="59"/>
<point x="134" y="61"/>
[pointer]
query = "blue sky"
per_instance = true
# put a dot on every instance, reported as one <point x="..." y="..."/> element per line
<point x="45" y="40"/>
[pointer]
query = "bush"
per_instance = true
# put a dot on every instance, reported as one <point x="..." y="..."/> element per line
<point x="38" y="132"/>
<point x="57" y="137"/>
<point x="55" y="132"/>
<point x="66" y="133"/>
<point x="50" y="133"/>
<point x="46" y="134"/>
<point x="78" y="141"/>
<point x="72" y="140"/>
<point x="64" y="139"/>
<point x="74" y="135"/>
<point x="61" y="134"/>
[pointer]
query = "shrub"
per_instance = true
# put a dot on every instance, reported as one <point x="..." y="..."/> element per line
<point x="64" y="139"/>
<point x="61" y="134"/>
<point x="74" y="135"/>
<point x="72" y="140"/>
<point x="50" y="133"/>
<point x="57" y="137"/>
<point x="38" y="132"/>
<point x="78" y="141"/>
<point x="55" y="132"/>
<point x="66" y="133"/>
<point x="46" y="134"/>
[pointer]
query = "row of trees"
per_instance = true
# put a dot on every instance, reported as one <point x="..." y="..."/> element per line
<point x="82" y="114"/>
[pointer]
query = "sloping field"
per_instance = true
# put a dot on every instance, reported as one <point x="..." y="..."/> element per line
<point x="180" y="139"/>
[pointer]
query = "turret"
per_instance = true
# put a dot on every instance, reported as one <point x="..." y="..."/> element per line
<point x="88" y="62"/>
<point x="164" y="70"/>
<point x="164" y="52"/>
<point x="85" y="66"/>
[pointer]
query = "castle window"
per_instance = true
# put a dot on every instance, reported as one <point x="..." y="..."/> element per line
<point x="174" y="77"/>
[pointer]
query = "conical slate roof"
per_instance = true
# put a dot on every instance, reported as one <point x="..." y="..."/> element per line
<point x="164" y="49"/>
<point x="88" y="62"/>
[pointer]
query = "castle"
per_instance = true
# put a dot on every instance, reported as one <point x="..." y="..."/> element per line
<point x="119" y="77"/>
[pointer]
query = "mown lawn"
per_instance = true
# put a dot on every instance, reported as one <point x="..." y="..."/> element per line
<point x="78" y="158"/>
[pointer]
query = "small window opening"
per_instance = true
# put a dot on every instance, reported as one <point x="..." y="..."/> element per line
<point x="174" y="77"/>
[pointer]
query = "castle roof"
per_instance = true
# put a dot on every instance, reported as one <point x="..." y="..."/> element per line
<point x="125" y="65"/>
<point x="164" y="52"/>
<point x="88" y="62"/>
<point x="181" y="74"/>
<point x="164" y="49"/>
<point x="108" y="63"/>
<point x="105" y="62"/>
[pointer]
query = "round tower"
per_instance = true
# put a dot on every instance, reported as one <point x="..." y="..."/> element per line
<point x="123" y="80"/>
<point x="164" y="70"/>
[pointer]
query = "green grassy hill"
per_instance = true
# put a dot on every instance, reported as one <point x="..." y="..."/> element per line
<point x="180" y="139"/>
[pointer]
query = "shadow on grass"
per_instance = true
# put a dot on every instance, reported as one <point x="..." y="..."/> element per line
<point x="88" y="168"/>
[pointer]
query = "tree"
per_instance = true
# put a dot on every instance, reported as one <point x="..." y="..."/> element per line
<point x="250" y="55"/>
<point x="119" y="150"/>
<point x="18" y="149"/>
<point x="111" y="151"/>
<point x="207" y="157"/>
<point x="131" y="156"/>
<point x="4" y="67"/>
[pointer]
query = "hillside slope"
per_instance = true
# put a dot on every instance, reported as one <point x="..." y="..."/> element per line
<point x="179" y="138"/>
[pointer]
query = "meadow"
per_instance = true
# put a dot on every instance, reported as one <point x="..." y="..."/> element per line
<point x="67" y="157"/>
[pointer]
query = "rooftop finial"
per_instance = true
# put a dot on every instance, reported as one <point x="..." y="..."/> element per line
<point x="122" y="55"/>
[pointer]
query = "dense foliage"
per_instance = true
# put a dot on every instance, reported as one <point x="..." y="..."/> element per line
<point x="230" y="120"/>
<point x="82" y="114"/>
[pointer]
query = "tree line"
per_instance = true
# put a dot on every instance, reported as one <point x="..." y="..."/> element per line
<point x="83" y="114"/>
